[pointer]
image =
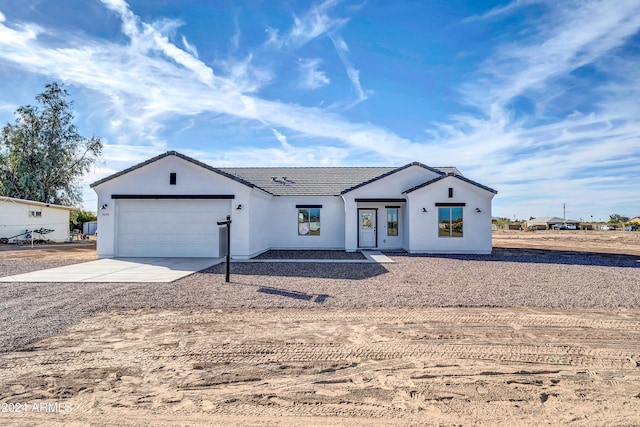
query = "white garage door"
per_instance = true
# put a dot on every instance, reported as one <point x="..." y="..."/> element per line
<point x="169" y="228"/>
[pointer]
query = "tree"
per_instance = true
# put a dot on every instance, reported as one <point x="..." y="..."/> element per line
<point x="42" y="155"/>
<point x="78" y="218"/>
<point x="615" y="218"/>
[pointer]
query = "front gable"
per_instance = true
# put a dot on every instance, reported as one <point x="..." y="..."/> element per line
<point x="447" y="176"/>
<point x="451" y="189"/>
<point x="393" y="183"/>
<point x="171" y="174"/>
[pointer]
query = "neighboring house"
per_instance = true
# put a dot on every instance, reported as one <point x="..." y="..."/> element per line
<point x="169" y="206"/>
<point x="636" y="219"/>
<point x="18" y="216"/>
<point x="547" y="223"/>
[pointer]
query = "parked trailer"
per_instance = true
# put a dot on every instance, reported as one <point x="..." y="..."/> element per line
<point x="28" y="236"/>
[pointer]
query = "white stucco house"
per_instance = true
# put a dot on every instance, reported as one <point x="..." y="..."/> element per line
<point x="169" y="206"/>
<point x="18" y="216"/>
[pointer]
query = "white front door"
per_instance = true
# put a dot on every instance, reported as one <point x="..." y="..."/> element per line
<point x="367" y="226"/>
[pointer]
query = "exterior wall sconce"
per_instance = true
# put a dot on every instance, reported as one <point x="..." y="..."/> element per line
<point x="478" y="210"/>
<point x="239" y="207"/>
<point x="104" y="206"/>
<point x="424" y="209"/>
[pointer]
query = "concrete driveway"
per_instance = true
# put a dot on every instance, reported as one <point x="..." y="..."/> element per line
<point x="120" y="270"/>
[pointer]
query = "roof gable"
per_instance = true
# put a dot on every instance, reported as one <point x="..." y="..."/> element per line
<point x="396" y="170"/>
<point x="183" y="157"/>
<point x="450" y="175"/>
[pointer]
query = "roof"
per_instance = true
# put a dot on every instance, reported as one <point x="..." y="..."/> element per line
<point x="34" y="203"/>
<point x="316" y="181"/>
<point x="296" y="181"/>
<point x="454" y="175"/>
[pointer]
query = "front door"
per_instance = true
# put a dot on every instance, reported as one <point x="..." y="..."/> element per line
<point x="367" y="225"/>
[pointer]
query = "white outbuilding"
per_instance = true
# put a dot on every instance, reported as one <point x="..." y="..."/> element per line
<point x="22" y="219"/>
<point x="169" y="206"/>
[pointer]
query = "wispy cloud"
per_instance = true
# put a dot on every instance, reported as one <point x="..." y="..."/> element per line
<point x="315" y="23"/>
<point x="561" y="151"/>
<point x="281" y="138"/>
<point x="502" y="10"/>
<point x="6" y="107"/>
<point x="310" y="76"/>
<point x="243" y="75"/>
<point x="354" y="75"/>
<point x="189" y="47"/>
<point x="152" y="38"/>
<point x="144" y="87"/>
<point x="318" y="22"/>
<point x="556" y="142"/>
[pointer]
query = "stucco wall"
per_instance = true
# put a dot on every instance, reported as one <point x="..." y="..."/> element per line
<point x="283" y="223"/>
<point x="153" y="179"/>
<point x="15" y="218"/>
<point x="476" y="225"/>
<point x="257" y="215"/>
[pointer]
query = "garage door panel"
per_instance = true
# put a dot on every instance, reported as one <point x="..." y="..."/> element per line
<point x="180" y="228"/>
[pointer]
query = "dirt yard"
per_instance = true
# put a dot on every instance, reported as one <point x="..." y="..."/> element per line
<point x="613" y="242"/>
<point x="343" y="366"/>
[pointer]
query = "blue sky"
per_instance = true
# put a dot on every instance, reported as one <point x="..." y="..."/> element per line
<point x="535" y="98"/>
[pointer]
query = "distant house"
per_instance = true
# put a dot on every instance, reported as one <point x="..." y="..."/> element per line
<point x="18" y="216"/>
<point x="547" y="223"/>
<point x="636" y="219"/>
<point x="170" y="205"/>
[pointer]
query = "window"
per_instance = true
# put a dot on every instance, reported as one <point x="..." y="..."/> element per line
<point x="309" y="221"/>
<point x="35" y="213"/>
<point x="392" y="221"/>
<point x="172" y="178"/>
<point x="450" y="222"/>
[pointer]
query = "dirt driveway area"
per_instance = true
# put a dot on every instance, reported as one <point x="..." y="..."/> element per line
<point x="385" y="346"/>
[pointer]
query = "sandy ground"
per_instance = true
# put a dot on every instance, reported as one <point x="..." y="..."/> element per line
<point x="337" y="366"/>
<point x="77" y="251"/>
<point x="614" y="242"/>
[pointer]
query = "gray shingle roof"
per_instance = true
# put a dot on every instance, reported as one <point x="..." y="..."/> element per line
<point x="313" y="181"/>
<point x="295" y="181"/>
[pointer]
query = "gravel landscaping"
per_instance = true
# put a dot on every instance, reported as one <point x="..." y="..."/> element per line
<point x="507" y="278"/>
<point x="287" y="254"/>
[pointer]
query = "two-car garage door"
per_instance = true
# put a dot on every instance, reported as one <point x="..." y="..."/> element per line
<point x="169" y="228"/>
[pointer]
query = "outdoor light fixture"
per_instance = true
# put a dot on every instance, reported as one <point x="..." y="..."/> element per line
<point x="104" y="206"/>
<point x="478" y="210"/>
<point x="239" y="207"/>
<point x="424" y="209"/>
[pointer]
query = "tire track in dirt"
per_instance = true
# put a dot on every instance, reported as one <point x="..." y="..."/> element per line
<point x="448" y="316"/>
<point x="387" y="365"/>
